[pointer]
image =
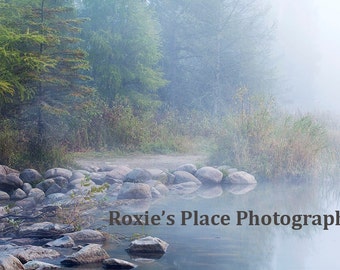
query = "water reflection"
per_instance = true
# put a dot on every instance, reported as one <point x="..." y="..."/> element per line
<point x="235" y="246"/>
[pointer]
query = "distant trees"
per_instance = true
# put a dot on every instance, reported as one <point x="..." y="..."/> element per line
<point x="211" y="48"/>
<point x="81" y="74"/>
<point x="124" y="50"/>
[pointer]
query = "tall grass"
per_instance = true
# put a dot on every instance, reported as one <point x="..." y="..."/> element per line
<point x="259" y="138"/>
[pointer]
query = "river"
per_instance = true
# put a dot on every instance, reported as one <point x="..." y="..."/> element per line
<point x="269" y="226"/>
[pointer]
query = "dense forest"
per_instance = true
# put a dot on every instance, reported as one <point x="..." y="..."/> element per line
<point x="127" y="75"/>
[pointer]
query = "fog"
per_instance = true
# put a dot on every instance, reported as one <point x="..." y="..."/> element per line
<point x="307" y="49"/>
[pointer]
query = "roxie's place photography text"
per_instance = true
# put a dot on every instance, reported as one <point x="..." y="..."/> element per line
<point x="238" y="218"/>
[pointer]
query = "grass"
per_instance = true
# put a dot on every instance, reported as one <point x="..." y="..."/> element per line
<point x="260" y="139"/>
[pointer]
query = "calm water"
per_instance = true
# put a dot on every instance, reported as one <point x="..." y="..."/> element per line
<point x="240" y="246"/>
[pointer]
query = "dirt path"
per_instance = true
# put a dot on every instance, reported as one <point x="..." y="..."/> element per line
<point x="164" y="162"/>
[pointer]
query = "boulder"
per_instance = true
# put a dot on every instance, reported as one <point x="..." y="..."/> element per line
<point x="18" y="194"/>
<point x="53" y="189"/>
<point x="63" y="242"/>
<point x="45" y="185"/>
<point x="91" y="253"/>
<point x="37" y="194"/>
<point x="118" y="173"/>
<point x="28" y="253"/>
<point x="30" y="176"/>
<point x="36" y="265"/>
<point x="4" y="196"/>
<point x="190" y="168"/>
<point x="113" y="263"/>
<point x="61" y="181"/>
<point x="159" y="175"/>
<point x="10" y="182"/>
<point x="183" y="177"/>
<point x="138" y="175"/>
<point x="241" y="178"/>
<point x="9" y="262"/>
<point x="58" y="172"/>
<point x="147" y="245"/>
<point x="87" y="236"/>
<point x="134" y="191"/>
<point x="27" y="203"/>
<point x="7" y="170"/>
<point x="27" y="188"/>
<point x="209" y="175"/>
<point x="45" y="230"/>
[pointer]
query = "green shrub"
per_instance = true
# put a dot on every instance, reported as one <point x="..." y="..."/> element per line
<point x="259" y="139"/>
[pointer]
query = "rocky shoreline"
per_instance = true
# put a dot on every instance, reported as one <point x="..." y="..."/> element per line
<point x="43" y="213"/>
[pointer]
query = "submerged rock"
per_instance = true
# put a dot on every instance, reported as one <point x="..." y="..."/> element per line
<point x="63" y="242"/>
<point x="36" y="265"/>
<point x="147" y="245"/>
<point x="87" y="236"/>
<point x="91" y="253"/>
<point x="45" y="230"/>
<point x="114" y="263"/>
<point x="135" y="191"/>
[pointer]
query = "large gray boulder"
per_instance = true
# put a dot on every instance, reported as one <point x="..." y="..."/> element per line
<point x="10" y="182"/>
<point x="45" y="184"/>
<point x="190" y="168"/>
<point x="113" y="263"/>
<point x="63" y="242"/>
<point x="58" y="172"/>
<point x="28" y="252"/>
<point x="37" y="194"/>
<point x="87" y="235"/>
<point x="18" y="194"/>
<point x="147" y="246"/>
<point x="9" y="262"/>
<point x="183" y="177"/>
<point x="45" y="230"/>
<point x="209" y="175"/>
<point x="4" y="196"/>
<point x="118" y="173"/>
<point x="91" y="253"/>
<point x="241" y="178"/>
<point x="30" y="176"/>
<point x="4" y="170"/>
<point x="134" y="191"/>
<point x="138" y="175"/>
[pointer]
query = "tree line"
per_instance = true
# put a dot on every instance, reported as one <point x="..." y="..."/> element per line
<point x="105" y="74"/>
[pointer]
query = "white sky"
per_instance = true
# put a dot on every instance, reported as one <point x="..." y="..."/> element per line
<point x="309" y="47"/>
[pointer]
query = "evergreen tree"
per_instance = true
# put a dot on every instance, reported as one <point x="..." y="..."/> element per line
<point x="124" y="50"/>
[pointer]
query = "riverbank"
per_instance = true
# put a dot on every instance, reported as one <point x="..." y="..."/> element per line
<point x="40" y="208"/>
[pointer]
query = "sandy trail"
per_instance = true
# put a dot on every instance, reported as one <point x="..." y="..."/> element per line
<point x="163" y="162"/>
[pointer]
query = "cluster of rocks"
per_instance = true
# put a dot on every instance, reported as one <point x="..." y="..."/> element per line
<point x="32" y="191"/>
<point x="14" y="256"/>
<point x="29" y="188"/>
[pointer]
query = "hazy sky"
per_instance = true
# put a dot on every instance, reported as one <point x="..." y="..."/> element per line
<point x="308" y="42"/>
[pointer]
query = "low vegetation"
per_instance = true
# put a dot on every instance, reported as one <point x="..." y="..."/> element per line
<point x="257" y="137"/>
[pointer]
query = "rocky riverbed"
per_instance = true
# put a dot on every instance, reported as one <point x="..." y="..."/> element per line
<point x="50" y="214"/>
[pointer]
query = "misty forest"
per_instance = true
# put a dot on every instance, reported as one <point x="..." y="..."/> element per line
<point x="153" y="76"/>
